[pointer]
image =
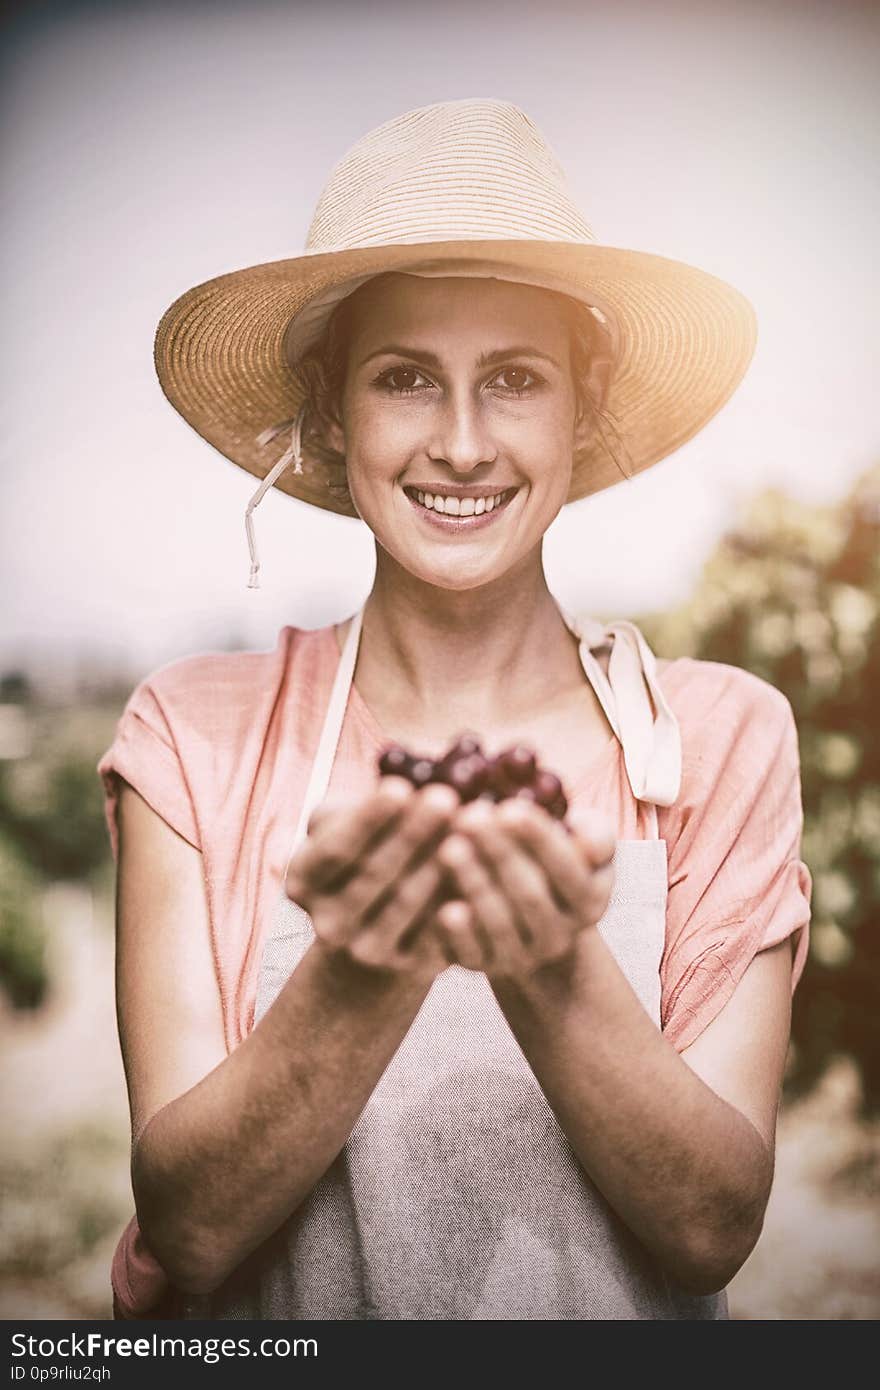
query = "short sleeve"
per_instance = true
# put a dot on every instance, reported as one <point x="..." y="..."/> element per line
<point x="145" y="753"/>
<point x="138" y="1281"/>
<point x="737" y="883"/>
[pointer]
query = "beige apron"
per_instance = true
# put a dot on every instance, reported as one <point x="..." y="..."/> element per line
<point x="457" y="1195"/>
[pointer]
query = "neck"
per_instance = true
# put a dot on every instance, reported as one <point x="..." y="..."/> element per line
<point x="443" y="659"/>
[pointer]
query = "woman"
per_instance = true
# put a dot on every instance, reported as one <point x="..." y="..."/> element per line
<point x="553" y="1093"/>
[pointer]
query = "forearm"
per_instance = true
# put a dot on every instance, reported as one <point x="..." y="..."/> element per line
<point x="687" y="1172"/>
<point x="217" y="1170"/>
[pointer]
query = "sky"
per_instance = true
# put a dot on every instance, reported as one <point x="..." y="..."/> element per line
<point x="146" y="149"/>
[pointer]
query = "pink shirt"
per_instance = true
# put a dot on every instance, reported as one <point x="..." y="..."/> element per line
<point x="221" y="744"/>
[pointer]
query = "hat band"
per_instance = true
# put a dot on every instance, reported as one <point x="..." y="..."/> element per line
<point x="310" y="322"/>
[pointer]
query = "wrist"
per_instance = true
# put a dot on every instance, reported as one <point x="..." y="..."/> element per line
<point x="553" y="981"/>
<point x="348" y="978"/>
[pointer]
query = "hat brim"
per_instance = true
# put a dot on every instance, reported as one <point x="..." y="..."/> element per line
<point x="685" y="341"/>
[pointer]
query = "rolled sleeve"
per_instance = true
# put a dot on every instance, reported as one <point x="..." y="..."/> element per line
<point x="138" y="1281"/>
<point x="737" y="883"/>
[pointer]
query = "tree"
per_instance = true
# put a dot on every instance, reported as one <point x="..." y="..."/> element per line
<point x="792" y="594"/>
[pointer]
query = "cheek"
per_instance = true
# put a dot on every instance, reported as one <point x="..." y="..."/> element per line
<point x="549" y="455"/>
<point x="376" y="438"/>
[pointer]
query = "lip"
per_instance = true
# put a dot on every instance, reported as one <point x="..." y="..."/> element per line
<point x="459" y="524"/>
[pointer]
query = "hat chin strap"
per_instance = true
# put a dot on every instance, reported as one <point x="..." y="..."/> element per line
<point x="293" y="452"/>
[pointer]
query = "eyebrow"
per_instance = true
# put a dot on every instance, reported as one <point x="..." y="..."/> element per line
<point x="485" y="359"/>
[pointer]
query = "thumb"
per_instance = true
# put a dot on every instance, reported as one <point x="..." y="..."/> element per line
<point x="595" y="832"/>
<point x="324" y="811"/>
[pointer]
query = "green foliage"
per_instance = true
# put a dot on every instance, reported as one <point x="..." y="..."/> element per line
<point x="51" y="827"/>
<point x="22" y="934"/>
<point x="793" y="595"/>
<point x="15" y="688"/>
<point x="50" y="802"/>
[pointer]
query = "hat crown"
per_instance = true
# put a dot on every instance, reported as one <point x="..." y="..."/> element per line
<point x="456" y="170"/>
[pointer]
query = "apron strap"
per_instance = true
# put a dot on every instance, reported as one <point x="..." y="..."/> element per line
<point x="651" y="742"/>
<point x="330" y="732"/>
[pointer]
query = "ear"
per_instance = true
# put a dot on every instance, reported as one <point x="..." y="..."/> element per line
<point x="601" y="368"/>
<point x="582" y="432"/>
<point x="334" y="435"/>
<point x="597" y="389"/>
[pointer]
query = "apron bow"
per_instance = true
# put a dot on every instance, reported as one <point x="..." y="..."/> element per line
<point x="651" y="738"/>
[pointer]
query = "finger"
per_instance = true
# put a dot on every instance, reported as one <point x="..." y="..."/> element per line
<point x="579" y="867"/>
<point x="458" y="930"/>
<point x="562" y="859"/>
<point x="593" y="834"/>
<point x="542" y="921"/>
<point x="384" y="867"/>
<point x="377" y="941"/>
<point x="596" y="903"/>
<point x="503" y="943"/>
<point x="422" y="946"/>
<point x="328" y="856"/>
<point x="330" y="806"/>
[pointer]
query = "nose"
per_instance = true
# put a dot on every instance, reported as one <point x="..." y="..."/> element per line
<point x="462" y="438"/>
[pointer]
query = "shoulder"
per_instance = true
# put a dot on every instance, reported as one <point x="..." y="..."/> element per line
<point x="195" y="730"/>
<point x="693" y="685"/>
<point x="207" y="668"/>
<point x="223" y="680"/>
<point x="729" y="718"/>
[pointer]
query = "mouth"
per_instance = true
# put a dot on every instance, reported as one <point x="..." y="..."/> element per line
<point x="464" y="514"/>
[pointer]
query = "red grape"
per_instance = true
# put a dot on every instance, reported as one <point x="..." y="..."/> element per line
<point x="422" y="772"/>
<point x="464" y="766"/>
<point x="468" y="775"/>
<point x="519" y="764"/>
<point x="395" y="762"/>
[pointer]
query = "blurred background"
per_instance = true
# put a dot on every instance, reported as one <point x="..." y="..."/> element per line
<point x="149" y="147"/>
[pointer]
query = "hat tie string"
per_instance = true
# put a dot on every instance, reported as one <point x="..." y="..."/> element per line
<point x="293" y="453"/>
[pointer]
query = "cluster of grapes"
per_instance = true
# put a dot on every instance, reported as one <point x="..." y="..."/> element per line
<point x="513" y="772"/>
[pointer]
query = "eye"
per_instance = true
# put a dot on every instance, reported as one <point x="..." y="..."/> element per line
<point x="519" y="380"/>
<point x="400" y="381"/>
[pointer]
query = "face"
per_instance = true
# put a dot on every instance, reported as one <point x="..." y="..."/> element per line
<point x="457" y="390"/>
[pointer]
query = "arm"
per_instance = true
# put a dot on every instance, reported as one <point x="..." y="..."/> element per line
<point x="680" y="1145"/>
<point x="225" y="1147"/>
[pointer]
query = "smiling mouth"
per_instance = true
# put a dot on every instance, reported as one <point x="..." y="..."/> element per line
<point x="460" y="509"/>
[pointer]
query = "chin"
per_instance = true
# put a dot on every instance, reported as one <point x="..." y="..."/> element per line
<point x="453" y="583"/>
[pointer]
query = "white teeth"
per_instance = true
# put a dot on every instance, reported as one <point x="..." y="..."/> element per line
<point x="455" y="506"/>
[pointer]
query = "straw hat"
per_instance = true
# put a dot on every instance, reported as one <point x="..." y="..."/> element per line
<point x="455" y="188"/>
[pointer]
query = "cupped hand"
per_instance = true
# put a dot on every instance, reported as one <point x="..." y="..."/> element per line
<point x="368" y="875"/>
<point x="527" y="886"/>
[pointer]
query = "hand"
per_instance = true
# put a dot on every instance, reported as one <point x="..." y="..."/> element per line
<point x="527" y="886"/>
<point x="370" y="881"/>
